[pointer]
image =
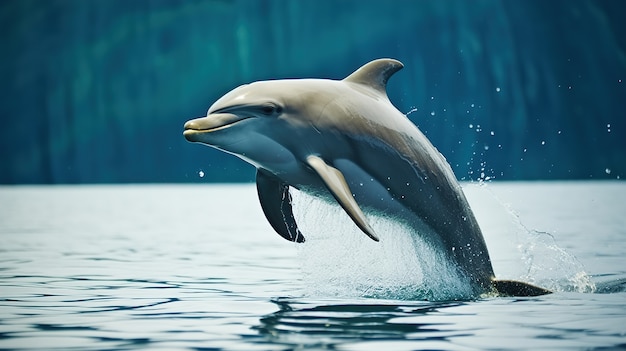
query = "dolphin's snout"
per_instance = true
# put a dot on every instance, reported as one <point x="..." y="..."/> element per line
<point x="192" y="128"/>
<point x="210" y="123"/>
<point x="191" y="124"/>
<point x="201" y="123"/>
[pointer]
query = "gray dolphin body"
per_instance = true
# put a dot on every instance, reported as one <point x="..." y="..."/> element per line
<point x="344" y="141"/>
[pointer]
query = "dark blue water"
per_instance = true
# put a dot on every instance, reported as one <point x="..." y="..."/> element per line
<point x="198" y="268"/>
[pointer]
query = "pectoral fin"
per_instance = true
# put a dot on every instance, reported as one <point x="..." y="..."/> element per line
<point x="515" y="288"/>
<point x="276" y="203"/>
<point x="336" y="184"/>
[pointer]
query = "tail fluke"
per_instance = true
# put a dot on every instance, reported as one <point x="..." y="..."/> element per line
<point x="515" y="288"/>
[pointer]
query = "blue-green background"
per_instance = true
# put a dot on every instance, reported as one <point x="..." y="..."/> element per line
<point x="98" y="90"/>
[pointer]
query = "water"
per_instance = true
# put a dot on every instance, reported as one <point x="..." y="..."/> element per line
<point x="196" y="267"/>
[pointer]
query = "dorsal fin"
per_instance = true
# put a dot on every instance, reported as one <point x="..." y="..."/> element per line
<point x="375" y="74"/>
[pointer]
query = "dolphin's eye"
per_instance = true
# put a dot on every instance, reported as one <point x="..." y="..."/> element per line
<point x="270" y="109"/>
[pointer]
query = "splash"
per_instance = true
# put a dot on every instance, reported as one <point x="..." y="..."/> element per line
<point x="338" y="260"/>
<point x="551" y="266"/>
<point x="534" y="255"/>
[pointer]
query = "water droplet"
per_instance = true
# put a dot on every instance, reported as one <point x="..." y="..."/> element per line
<point x="471" y="126"/>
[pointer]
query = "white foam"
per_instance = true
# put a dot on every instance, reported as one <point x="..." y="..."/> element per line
<point x="338" y="260"/>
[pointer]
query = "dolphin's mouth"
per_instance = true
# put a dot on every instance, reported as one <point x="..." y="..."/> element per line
<point x="211" y="123"/>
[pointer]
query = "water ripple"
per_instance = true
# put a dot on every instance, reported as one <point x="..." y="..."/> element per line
<point x="102" y="279"/>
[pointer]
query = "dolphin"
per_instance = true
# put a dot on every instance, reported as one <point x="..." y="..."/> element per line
<point x="344" y="141"/>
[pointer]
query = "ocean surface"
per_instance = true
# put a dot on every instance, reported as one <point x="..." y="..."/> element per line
<point x="197" y="267"/>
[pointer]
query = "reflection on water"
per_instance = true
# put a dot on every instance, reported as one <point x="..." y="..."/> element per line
<point x="542" y="323"/>
<point x="307" y="322"/>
